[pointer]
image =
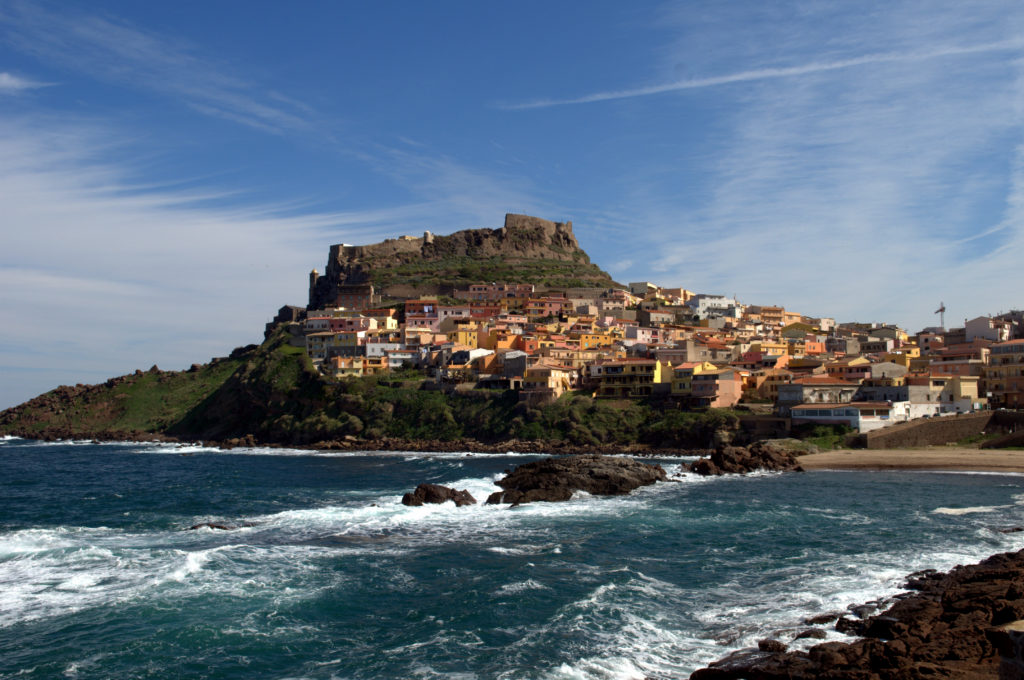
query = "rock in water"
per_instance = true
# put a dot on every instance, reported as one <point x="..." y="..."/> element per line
<point x="435" y="493"/>
<point x="555" y="479"/>
<point x="741" y="460"/>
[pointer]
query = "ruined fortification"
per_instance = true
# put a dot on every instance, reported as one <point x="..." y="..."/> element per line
<point x="393" y="265"/>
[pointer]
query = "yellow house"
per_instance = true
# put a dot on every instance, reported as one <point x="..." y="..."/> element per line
<point x="770" y="348"/>
<point x="355" y="367"/>
<point x="385" y="321"/>
<point x="682" y="376"/>
<point x="632" y="378"/>
<point x="468" y="336"/>
<point x="769" y="381"/>
<point x="588" y="340"/>
<point x="905" y="356"/>
<point x="554" y="378"/>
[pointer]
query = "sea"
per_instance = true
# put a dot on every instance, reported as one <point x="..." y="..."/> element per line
<point x="327" y="575"/>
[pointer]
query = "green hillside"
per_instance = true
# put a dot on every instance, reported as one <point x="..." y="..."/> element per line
<point x="272" y="394"/>
<point x="459" y="272"/>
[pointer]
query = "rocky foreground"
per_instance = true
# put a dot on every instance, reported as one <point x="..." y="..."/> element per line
<point x="944" y="628"/>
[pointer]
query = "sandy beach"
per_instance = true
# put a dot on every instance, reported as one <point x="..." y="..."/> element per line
<point x="936" y="458"/>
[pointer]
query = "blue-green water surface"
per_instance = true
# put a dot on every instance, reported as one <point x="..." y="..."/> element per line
<point x="327" y="575"/>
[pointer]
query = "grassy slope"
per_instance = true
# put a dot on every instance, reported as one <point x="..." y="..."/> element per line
<point x="274" y="394"/>
<point x="141" y="402"/>
<point x="460" y="272"/>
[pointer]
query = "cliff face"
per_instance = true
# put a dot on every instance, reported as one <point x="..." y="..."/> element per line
<point x="440" y="263"/>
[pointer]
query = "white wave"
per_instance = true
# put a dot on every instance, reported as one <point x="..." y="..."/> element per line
<point x="969" y="510"/>
<point x="525" y="549"/>
<point x="598" y="668"/>
<point x="180" y="449"/>
<point x="631" y="637"/>
<point x="58" y="572"/>
<point x="520" y="587"/>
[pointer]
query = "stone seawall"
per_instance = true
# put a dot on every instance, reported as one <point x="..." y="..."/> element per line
<point x="929" y="432"/>
<point x="1011" y="422"/>
<point x="948" y="429"/>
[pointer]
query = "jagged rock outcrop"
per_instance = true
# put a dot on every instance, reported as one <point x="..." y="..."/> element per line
<point x="556" y="479"/>
<point x="944" y="630"/>
<point x="523" y="239"/>
<point x="743" y="459"/>
<point x="435" y="493"/>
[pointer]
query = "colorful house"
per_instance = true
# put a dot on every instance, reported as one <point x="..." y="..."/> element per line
<point x="632" y="378"/>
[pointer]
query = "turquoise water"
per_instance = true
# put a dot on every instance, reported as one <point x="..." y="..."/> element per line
<point x="99" y="577"/>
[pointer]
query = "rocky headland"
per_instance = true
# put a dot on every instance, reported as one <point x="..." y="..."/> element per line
<point x="950" y="625"/>
<point x="526" y="249"/>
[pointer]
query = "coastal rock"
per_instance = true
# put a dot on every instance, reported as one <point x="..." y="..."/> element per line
<point x="771" y="646"/>
<point x="943" y="630"/>
<point x="812" y="633"/>
<point x="219" y="526"/>
<point x="556" y="479"/>
<point x="435" y="493"/>
<point x="761" y="455"/>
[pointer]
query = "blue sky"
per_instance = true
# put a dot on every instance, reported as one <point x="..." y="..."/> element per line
<point x="170" y="172"/>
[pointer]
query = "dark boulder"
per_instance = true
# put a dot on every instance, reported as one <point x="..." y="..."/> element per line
<point x="762" y="455"/>
<point x="435" y="493"/>
<point x="812" y="634"/>
<point x="556" y="479"/>
<point x="221" y="527"/>
<point x="771" y="646"/>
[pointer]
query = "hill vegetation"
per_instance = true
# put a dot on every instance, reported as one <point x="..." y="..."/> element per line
<point x="459" y="272"/>
<point x="272" y="394"/>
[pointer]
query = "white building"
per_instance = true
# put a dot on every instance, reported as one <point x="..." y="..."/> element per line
<point x="862" y="416"/>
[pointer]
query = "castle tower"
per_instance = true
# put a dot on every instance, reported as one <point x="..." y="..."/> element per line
<point x="314" y="276"/>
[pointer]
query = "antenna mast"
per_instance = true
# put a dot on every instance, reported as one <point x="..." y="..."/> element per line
<point x="941" y="311"/>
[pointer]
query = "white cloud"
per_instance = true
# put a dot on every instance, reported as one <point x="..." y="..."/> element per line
<point x="109" y="274"/>
<point x="871" y="192"/>
<point x="113" y="50"/>
<point x="103" y="277"/>
<point x="775" y="72"/>
<point x="12" y="84"/>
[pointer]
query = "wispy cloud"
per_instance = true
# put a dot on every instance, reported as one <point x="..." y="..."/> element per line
<point x="113" y="50"/>
<point x="108" y="275"/>
<point x="11" y="84"/>
<point x="864" y="193"/>
<point x="771" y="73"/>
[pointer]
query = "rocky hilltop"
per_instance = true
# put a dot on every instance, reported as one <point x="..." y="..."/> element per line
<point x="525" y="250"/>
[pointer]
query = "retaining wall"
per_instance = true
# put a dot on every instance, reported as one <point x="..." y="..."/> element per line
<point x="929" y="432"/>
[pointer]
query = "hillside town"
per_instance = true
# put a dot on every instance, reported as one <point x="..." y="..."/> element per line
<point x="697" y="350"/>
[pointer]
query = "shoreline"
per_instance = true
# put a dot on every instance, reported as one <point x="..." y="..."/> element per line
<point x="939" y="459"/>
<point x="538" y="446"/>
